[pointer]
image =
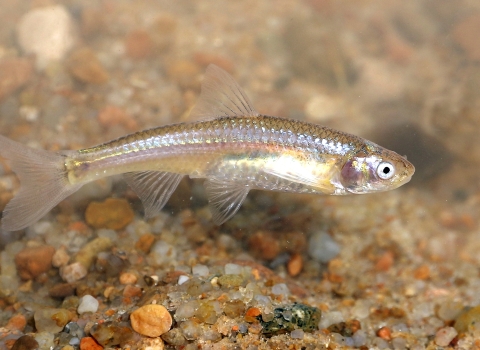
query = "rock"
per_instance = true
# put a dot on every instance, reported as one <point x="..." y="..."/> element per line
<point x="322" y="247"/>
<point x="47" y="32"/>
<point x="174" y="337"/>
<point x="295" y="265"/>
<point x="61" y="290"/>
<point x="128" y="278"/>
<point x="51" y="320"/>
<point x="113" y="213"/>
<point x="31" y="262"/>
<point x="467" y="319"/>
<point x="25" y="342"/>
<point x="132" y="291"/>
<point x="138" y="44"/>
<point x="73" y="272"/>
<point x="89" y="251"/>
<point x="230" y="281"/>
<point x="445" y="335"/>
<point x="151" y="344"/>
<point x="88" y="343"/>
<point x="264" y="245"/>
<point x="111" y="116"/>
<point x="87" y="304"/>
<point x="16" y="323"/>
<point x="60" y="258"/>
<point x="84" y="65"/>
<point x="151" y="320"/>
<point x="145" y="242"/>
<point x="14" y="73"/>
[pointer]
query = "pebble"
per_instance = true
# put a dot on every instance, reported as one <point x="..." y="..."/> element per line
<point x="111" y="116"/>
<point x="31" y="262"/>
<point x="138" y="44"/>
<point x="88" y="343"/>
<point x="47" y="32"/>
<point x="297" y="334"/>
<point x="174" y="337"/>
<point x="467" y="318"/>
<point x="295" y="265"/>
<point x="89" y="251"/>
<point x="45" y="340"/>
<point x="84" y="65"/>
<point x="151" y="320"/>
<point x="445" y="335"/>
<point x="200" y="270"/>
<point x="50" y="320"/>
<point x="113" y="213"/>
<point x="151" y="344"/>
<point x="161" y="253"/>
<point x="322" y="247"/>
<point x="25" y="342"/>
<point x="16" y="322"/>
<point x="60" y="258"/>
<point x="61" y="290"/>
<point x="128" y="278"/>
<point x="73" y="272"/>
<point x="230" y="281"/>
<point x="182" y="279"/>
<point x="131" y="291"/>
<point x="88" y="303"/>
<point x="145" y="242"/>
<point x="14" y="73"/>
<point x="280" y="289"/>
<point x="264" y="245"/>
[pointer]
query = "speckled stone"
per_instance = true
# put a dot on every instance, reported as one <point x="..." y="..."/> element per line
<point x="113" y="213"/>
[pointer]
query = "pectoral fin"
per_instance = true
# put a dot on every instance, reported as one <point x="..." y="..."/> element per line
<point x="225" y="198"/>
<point x="154" y="188"/>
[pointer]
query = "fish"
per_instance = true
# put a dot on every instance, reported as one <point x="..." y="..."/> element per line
<point x="228" y="143"/>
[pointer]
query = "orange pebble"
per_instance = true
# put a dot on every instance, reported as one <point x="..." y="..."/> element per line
<point x="16" y="322"/>
<point x="295" y="265"/>
<point x="422" y="273"/>
<point x="385" y="333"/>
<point x="88" y="343"/>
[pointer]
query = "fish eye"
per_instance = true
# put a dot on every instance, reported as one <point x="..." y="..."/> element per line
<point x="385" y="170"/>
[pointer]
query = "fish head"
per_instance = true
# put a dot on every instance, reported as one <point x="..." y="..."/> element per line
<point x="375" y="169"/>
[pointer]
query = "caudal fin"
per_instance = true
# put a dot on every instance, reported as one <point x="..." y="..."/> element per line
<point x="43" y="183"/>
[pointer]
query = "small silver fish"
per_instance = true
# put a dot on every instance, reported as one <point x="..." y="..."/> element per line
<point x="232" y="146"/>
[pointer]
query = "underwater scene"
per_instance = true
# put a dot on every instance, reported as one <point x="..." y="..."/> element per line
<point x="239" y="174"/>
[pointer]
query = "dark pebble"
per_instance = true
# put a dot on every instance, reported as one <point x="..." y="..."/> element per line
<point x="25" y="342"/>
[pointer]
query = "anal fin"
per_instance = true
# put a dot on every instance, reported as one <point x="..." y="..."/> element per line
<point x="154" y="188"/>
<point x="224" y="198"/>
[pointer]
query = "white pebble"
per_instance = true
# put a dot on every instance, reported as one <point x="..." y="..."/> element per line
<point x="329" y="318"/>
<point x="200" y="270"/>
<point x="445" y="335"/>
<point x="297" y="334"/>
<point x="87" y="304"/>
<point x="73" y="272"/>
<point x="47" y="32"/>
<point x="322" y="247"/>
<point x="161" y="253"/>
<point x="280" y="289"/>
<point x="233" y="269"/>
<point x="359" y="338"/>
<point x="182" y="279"/>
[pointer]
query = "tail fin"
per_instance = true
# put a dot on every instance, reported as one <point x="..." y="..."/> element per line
<point x="43" y="183"/>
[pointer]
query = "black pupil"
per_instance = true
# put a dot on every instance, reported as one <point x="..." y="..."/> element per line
<point x="386" y="170"/>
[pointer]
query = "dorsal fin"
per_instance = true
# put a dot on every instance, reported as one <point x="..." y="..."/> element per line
<point x="221" y="96"/>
